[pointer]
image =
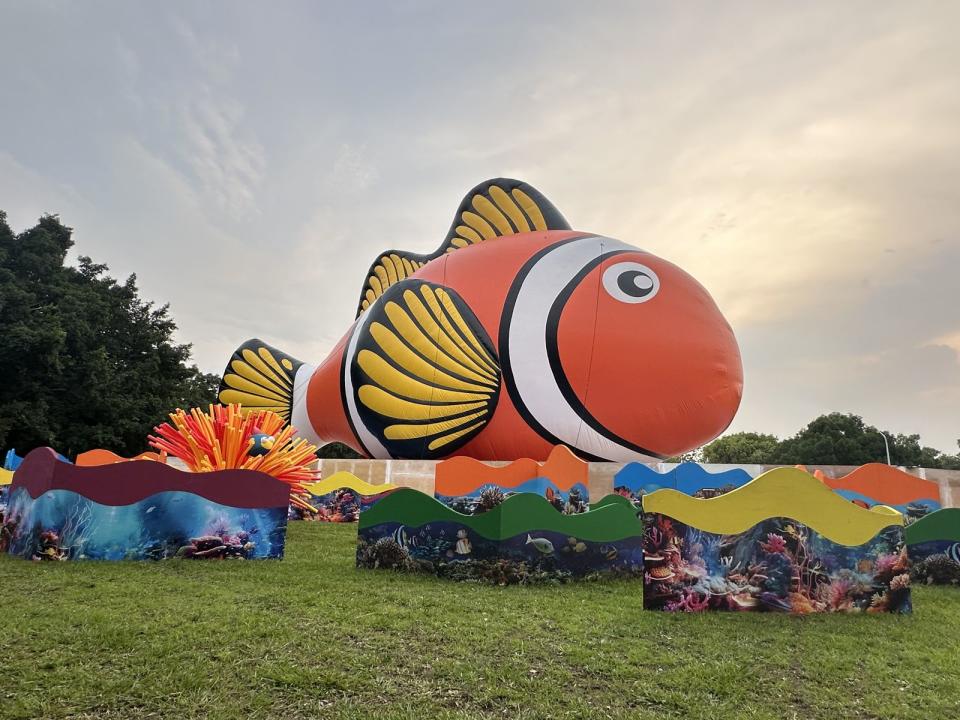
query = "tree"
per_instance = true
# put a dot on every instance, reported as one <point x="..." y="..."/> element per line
<point x="832" y="439"/>
<point x="741" y="448"/>
<point x="87" y="363"/>
<point x="844" y="439"/>
<point x="950" y="462"/>
<point x="337" y="451"/>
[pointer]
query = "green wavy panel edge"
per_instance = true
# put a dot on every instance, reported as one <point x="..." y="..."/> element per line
<point x="939" y="525"/>
<point x="524" y="512"/>
<point x="613" y="500"/>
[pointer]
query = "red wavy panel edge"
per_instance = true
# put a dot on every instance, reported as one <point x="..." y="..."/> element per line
<point x="886" y="484"/>
<point x="129" y="482"/>
<point x="461" y="475"/>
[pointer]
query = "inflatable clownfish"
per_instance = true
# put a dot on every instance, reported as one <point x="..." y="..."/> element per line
<point x="516" y="335"/>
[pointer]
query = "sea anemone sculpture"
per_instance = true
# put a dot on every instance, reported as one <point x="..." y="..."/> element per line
<point x="221" y="440"/>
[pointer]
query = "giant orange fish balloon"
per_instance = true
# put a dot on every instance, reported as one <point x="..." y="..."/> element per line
<point x="516" y="335"/>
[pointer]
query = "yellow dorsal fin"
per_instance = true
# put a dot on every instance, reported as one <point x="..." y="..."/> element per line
<point x="494" y="208"/>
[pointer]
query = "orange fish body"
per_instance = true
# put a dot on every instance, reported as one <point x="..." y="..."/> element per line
<point x="518" y="334"/>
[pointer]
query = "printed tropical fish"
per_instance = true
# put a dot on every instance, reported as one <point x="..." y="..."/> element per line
<point x="541" y="545"/>
<point x="516" y="335"/>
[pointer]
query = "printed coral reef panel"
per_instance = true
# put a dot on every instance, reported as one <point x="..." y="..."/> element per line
<point x="933" y="543"/>
<point x="777" y="565"/>
<point x="339" y="506"/>
<point x="936" y="562"/>
<point x="63" y="525"/>
<point x="487" y="497"/>
<point x="452" y="550"/>
<point x="634" y="480"/>
<point x="4" y="530"/>
<point x="912" y="511"/>
<point x="523" y="540"/>
<point x="950" y="549"/>
<point x="339" y="498"/>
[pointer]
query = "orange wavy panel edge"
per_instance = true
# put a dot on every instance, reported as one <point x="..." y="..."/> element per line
<point x="886" y="484"/>
<point x="461" y="475"/>
<point x="99" y="456"/>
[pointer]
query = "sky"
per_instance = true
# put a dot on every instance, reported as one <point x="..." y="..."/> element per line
<point x="248" y="161"/>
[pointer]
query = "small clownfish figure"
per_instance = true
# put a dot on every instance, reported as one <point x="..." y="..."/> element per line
<point x="463" y="543"/>
<point x="260" y="444"/>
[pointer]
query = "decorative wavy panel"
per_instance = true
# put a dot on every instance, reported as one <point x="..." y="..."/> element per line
<point x="340" y="498"/>
<point x="126" y="483"/>
<point x="934" y="540"/>
<point x="941" y="525"/>
<point x="886" y="485"/>
<point x="782" y="542"/>
<point x="469" y="486"/>
<point x="348" y="480"/>
<point x="636" y="479"/>
<point x="99" y="456"/>
<point x="783" y="492"/>
<point x="523" y="539"/>
<point x="4" y="500"/>
<point x="11" y="461"/>
<point x="141" y="510"/>
<point x="462" y="475"/>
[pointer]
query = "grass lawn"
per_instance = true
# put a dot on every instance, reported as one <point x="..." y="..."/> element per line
<point x="313" y="637"/>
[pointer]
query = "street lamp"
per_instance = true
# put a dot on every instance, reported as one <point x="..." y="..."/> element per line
<point x="886" y="445"/>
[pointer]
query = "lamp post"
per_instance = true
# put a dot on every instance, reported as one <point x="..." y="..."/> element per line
<point x="886" y="445"/>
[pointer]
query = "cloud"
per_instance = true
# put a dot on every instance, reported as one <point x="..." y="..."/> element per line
<point x="949" y="340"/>
<point x="227" y="168"/>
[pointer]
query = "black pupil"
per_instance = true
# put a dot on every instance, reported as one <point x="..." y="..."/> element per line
<point x="628" y="283"/>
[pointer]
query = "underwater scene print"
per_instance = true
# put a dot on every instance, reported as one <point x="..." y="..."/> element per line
<point x="634" y="480"/>
<point x="5" y="531"/>
<point x="912" y="511"/>
<point x="935" y="562"/>
<point x="635" y="495"/>
<point x="339" y="506"/>
<point x="923" y="550"/>
<point x="452" y="550"/>
<point x="343" y="505"/>
<point x="488" y="496"/>
<point x="63" y="525"/>
<point x="778" y="565"/>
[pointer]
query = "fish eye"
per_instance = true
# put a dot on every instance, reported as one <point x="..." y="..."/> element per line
<point x="630" y="282"/>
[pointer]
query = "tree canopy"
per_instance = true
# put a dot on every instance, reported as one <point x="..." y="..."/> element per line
<point x="87" y="363"/>
<point x="832" y="439"/>
<point x="337" y="451"/>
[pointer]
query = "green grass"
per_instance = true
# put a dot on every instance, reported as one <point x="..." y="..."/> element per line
<point x="313" y="637"/>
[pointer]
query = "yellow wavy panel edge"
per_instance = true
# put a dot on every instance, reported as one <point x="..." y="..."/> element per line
<point x="343" y="479"/>
<point x="6" y="476"/>
<point x="782" y="492"/>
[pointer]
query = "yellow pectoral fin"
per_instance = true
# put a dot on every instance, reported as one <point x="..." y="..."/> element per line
<point x="430" y="376"/>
